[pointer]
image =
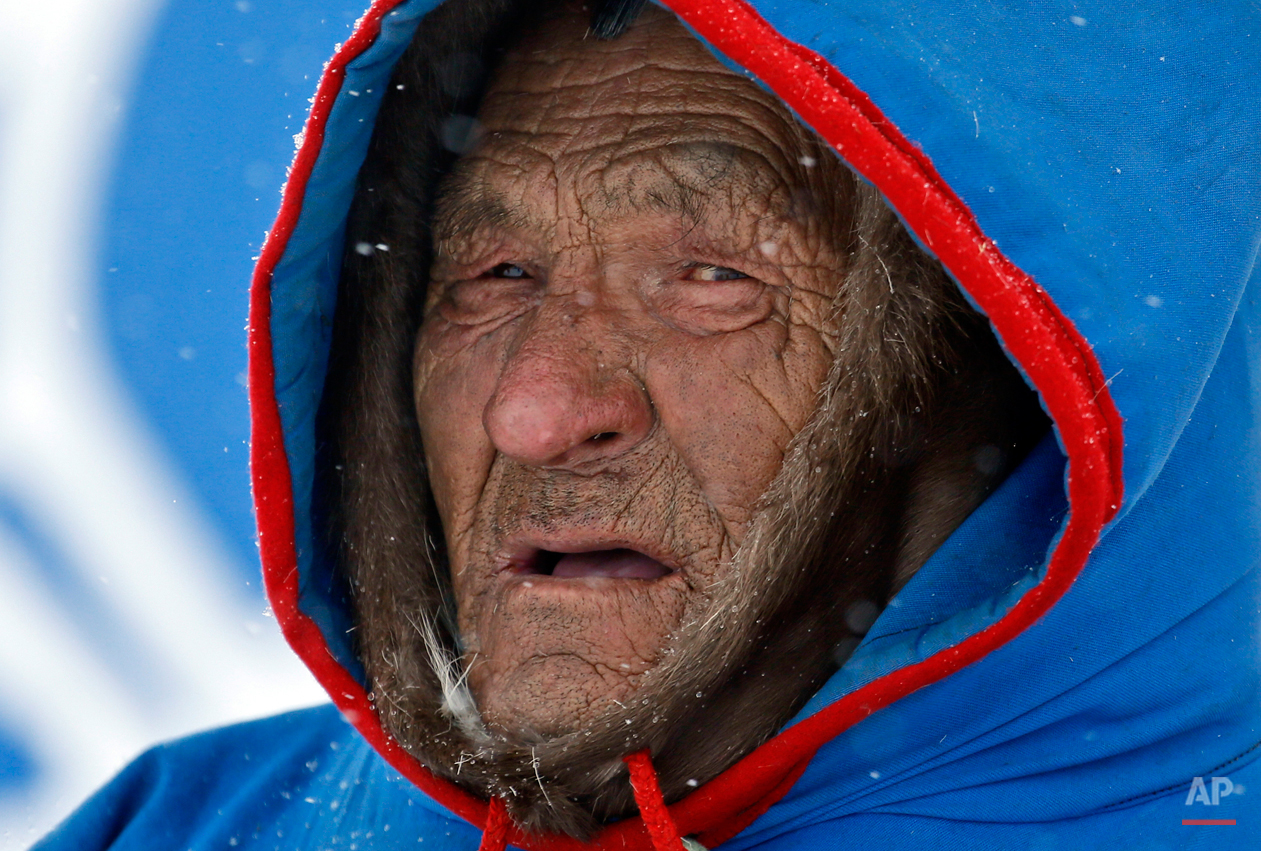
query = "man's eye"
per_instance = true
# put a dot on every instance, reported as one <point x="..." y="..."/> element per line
<point x="713" y="273"/>
<point x="508" y="270"/>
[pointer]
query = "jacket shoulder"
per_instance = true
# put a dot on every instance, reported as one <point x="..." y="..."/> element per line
<point x="176" y="792"/>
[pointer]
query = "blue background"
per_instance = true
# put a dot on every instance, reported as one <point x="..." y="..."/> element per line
<point x="202" y="157"/>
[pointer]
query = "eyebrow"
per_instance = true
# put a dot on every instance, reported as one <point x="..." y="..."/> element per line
<point x="686" y="173"/>
<point x="464" y="205"/>
<point x="686" y="170"/>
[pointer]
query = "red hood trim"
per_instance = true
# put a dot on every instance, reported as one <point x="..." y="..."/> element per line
<point x="1043" y="341"/>
<point x="269" y="465"/>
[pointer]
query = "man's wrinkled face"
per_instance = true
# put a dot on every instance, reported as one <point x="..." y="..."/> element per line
<point x="629" y="318"/>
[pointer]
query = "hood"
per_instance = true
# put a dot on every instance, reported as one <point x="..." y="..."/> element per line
<point x="1086" y="641"/>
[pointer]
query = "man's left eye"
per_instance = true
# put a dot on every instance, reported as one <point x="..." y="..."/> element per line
<point x="508" y="270"/>
<point x="713" y="273"/>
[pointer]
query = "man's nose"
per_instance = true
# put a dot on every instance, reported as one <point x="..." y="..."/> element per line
<point x="556" y="404"/>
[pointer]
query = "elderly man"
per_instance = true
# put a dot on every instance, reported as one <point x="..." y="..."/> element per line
<point x="647" y="279"/>
<point x="638" y="408"/>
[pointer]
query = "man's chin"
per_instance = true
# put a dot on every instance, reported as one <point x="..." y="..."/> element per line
<point x="550" y="696"/>
<point x="555" y="653"/>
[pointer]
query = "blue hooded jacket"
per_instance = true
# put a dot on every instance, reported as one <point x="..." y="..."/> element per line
<point x="1077" y="666"/>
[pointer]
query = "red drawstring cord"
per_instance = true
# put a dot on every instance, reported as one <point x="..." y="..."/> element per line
<point x="652" y="806"/>
<point x="652" y="809"/>
<point x="495" y="836"/>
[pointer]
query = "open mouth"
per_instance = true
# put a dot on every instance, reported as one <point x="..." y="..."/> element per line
<point x="618" y="563"/>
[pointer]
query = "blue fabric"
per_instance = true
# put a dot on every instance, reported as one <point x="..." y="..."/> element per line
<point x="303" y="780"/>
<point x="1110" y="152"/>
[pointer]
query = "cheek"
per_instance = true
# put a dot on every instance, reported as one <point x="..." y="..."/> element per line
<point x="452" y="386"/>
<point x="732" y="403"/>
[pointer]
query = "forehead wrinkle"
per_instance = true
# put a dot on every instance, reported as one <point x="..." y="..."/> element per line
<point x="650" y="165"/>
<point x="690" y="179"/>
<point x="685" y="175"/>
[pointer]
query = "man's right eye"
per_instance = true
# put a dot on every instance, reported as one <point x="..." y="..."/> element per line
<point x="508" y="270"/>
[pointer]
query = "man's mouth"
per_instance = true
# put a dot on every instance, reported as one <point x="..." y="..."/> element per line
<point x="619" y="563"/>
